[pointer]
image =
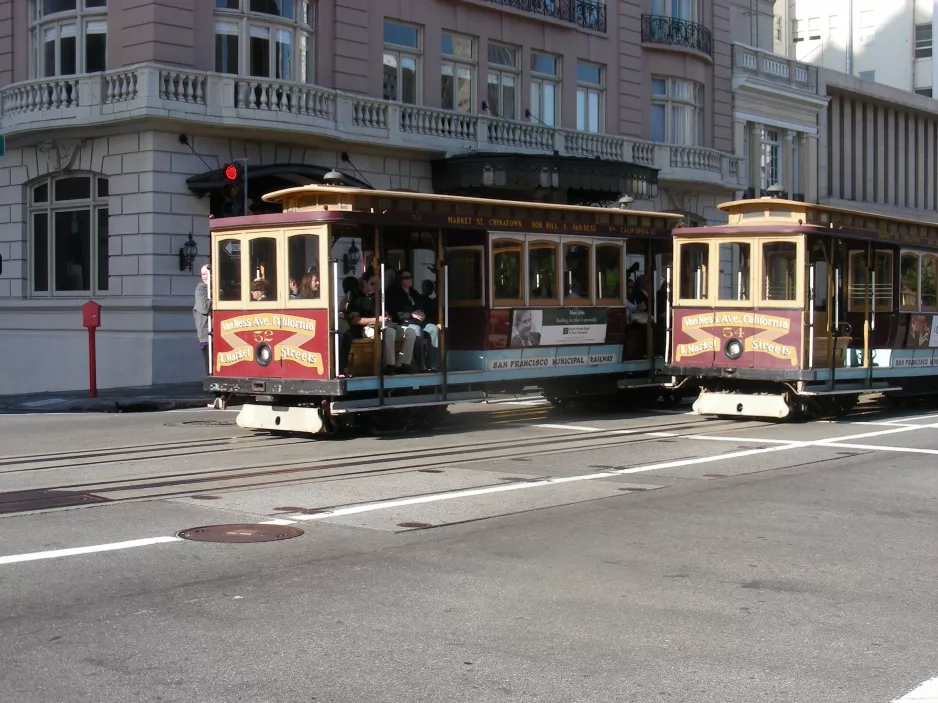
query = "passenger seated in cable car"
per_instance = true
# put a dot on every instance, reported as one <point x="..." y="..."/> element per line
<point x="294" y="289"/>
<point x="351" y="287"/>
<point x="309" y="286"/>
<point x="406" y="307"/>
<point x="367" y="319"/>
<point x="259" y="290"/>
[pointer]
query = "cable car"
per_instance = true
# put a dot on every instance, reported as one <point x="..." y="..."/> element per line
<point x="525" y="296"/>
<point x="794" y="309"/>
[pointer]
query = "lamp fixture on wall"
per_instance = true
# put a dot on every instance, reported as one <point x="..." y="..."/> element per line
<point x="187" y="254"/>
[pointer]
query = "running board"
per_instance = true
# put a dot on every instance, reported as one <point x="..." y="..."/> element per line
<point x="343" y="407"/>
<point x="628" y="383"/>
<point x="857" y="390"/>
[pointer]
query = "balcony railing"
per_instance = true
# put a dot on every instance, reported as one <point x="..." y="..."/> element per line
<point x="771" y="67"/>
<point x="279" y="110"/>
<point x="583" y="13"/>
<point x="658" y="29"/>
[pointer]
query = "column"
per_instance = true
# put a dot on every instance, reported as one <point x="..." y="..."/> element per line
<point x="901" y="173"/>
<point x="848" y="146"/>
<point x="740" y="148"/>
<point x="788" y="180"/>
<point x="879" y="162"/>
<point x="869" y="170"/>
<point x="929" y="147"/>
<point x="810" y="185"/>
<point x="835" y="139"/>
<point x="755" y="152"/>
<point x="920" y="162"/>
<point x="889" y="160"/>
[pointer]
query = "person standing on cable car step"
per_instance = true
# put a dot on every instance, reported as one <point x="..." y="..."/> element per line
<point x="368" y="319"/>
<point x="202" y="311"/>
<point x="406" y="306"/>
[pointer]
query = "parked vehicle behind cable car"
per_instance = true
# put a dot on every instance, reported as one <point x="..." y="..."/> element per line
<point x="794" y="309"/>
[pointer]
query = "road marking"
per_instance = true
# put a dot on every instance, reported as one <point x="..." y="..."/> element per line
<point x="882" y="448"/>
<point x="74" y="551"/>
<point x="926" y="693"/>
<point x="661" y="434"/>
<point x="503" y="488"/>
<point x="581" y="428"/>
<point x="754" y="440"/>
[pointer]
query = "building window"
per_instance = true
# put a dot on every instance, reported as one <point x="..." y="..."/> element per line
<point x="778" y="27"/>
<point x="795" y="166"/>
<point x="927" y="92"/>
<point x="797" y="28"/>
<point x="868" y="75"/>
<point x="814" y="29"/>
<point x="677" y="111"/>
<point x="545" y="88"/>
<point x="923" y="38"/>
<point x="68" y="235"/>
<point x="68" y="37"/>
<point x="771" y="148"/>
<point x="833" y="26"/>
<point x="265" y="39"/>
<point x="458" y="71"/>
<point x="503" y="80"/>
<point x="679" y="9"/>
<point x="401" y="62"/>
<point x="589" y="97"/>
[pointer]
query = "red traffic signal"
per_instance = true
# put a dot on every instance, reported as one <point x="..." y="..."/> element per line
<point x="232" y="172"/>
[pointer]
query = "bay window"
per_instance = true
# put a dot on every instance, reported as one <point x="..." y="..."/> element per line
<point x="67" y="37"/>
<point x="677" y="111"/>
<point x="265" y="39"/>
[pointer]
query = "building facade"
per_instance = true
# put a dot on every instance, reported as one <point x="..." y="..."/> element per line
<point x="118" y="116"/>
<point x="891" y="42"/>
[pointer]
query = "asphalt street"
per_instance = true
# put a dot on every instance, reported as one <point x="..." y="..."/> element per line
<point x="515" y="554"/>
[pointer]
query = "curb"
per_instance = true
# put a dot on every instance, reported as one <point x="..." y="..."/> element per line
<point x="115" y="405"/>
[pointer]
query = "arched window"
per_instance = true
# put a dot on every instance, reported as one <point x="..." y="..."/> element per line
<point x="67" y="37"/>
<point x="68" y="235"/>
<point x="270" y="39"/>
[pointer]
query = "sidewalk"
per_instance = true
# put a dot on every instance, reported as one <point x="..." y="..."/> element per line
<point x="112" y="400"/>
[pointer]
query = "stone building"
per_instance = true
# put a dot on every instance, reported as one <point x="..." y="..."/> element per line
<point x="119" y="115"/>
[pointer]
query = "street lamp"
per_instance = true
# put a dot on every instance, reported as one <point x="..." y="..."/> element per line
<point x="352" y="259"/>
<point x="625" y="202"/>
<point x="333" y="178"/>
<point x="187" y="254"/>
<point x="774" y="191"/>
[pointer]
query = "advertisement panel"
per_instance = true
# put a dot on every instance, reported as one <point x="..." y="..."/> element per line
<point x="557" y="326"/>
<point x="286" y="344"/>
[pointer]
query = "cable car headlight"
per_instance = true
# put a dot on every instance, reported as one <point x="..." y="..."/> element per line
<point x="264" y="354"/>
<point x="733" y="349"/>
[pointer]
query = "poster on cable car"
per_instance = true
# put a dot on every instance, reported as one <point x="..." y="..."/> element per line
<point x="271" y="343"/>
<point x="556" y="327"/>
<point x="749" y="338"/>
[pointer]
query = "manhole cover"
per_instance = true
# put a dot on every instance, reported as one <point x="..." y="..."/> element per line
<point x="208" y="423"/>
<point x="715" y="476"/>
<point x="240" y="533"/>
<point x="205" y="497"/>
<point x="633" y="490"/>
<point x="430" y="471"/>
<point x="414" y="524"/>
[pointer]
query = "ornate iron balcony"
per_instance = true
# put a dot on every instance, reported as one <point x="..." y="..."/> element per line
<point x="583" y="13"/>
<point x="657" y="29"/>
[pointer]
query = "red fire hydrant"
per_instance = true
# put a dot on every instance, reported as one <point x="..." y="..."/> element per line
<point x="91" y="318"/>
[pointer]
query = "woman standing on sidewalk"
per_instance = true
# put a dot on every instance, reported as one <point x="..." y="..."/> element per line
<point x="202" y="311"/>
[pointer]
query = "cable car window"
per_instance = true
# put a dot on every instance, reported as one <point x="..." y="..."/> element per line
<point x="303" y="265"/>
<point x="576" y="272"/>
<point x="929" y="282"/>
<point x="908" y="279"/>
<point x="542" y="271"/>
<point x="263" y="269"/>
<point x="695" y="262"/>
<point x="506" y="271"/>
<point x="609" y="272"/>
<point x="779" y="270"/>
<point x="734" y="271"/>
<point x="858" y="286"/>
<point x="465" y="276"/>
<point x="228" y="261"/>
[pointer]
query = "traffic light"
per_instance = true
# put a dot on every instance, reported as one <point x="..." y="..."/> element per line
<point x="233" y="191"/>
